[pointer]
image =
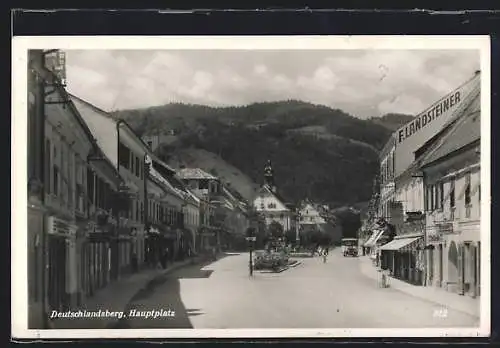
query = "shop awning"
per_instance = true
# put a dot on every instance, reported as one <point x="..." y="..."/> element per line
<point x="397" y="244"/>
<point x="374" y="238"/>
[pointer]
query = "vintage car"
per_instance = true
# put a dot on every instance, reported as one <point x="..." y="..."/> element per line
<point x="350" y="247"/>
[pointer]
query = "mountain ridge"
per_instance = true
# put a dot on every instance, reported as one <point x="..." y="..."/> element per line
<point x="318" y="152"/>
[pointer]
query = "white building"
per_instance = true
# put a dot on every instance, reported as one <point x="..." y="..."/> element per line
<point x="272" y="208"/>
<point x="309" y="215"/>
<point x="453" y="198"/>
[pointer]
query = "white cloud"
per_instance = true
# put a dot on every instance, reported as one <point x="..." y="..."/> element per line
<point x="364" y="82"/>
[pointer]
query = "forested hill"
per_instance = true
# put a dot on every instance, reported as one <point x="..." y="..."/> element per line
<point x="319" y="153"/>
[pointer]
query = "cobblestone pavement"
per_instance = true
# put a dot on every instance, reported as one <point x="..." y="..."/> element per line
<point x="335" y="294"/>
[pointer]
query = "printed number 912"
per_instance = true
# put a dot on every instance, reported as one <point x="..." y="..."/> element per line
<point x="440" y="313"/>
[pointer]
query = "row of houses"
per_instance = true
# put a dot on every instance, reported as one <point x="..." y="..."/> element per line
<point x="101" y="204"/>
<point x="427" y="228"/>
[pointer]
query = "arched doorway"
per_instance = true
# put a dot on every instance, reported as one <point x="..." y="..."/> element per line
<point x="453" y="263"/>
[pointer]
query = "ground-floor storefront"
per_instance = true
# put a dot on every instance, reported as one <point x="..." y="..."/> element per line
<point x="454" y="261"/>
<point x="208" y="239"/>
<point x="62" y="260"/>
<point x="404" y="258"/>
<point x="160" y="245"/>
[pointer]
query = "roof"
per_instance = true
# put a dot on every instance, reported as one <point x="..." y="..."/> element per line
<point x="267" y="188"/>
<point x="194" y="173"/>
<point x="453" y="136"/>
<point x="157" y="177"/>
<point x="122" y="121"/>
<point x="466" y="131"/>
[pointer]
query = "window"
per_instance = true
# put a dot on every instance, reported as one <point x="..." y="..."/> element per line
<point x="439" y="196"/>
<point x="137" y="211"/>
<point x="90" y="185"/>
<point x="48" y="166"/>
<point x="203" y="184"/>
<point x="433" y="197"/>
<point x="123" y="155"/>
<point x="467" y="190"/>
<point x="452" y="194"/>
<point x="137" y="166"/>
<point x="142" y="212"/>
<point x="55" y="183"/>
<point x="150" y="144"/>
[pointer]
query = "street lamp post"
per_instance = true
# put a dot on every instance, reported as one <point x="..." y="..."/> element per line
<point x="297" y="228"/>
<point x="250" y="238"/>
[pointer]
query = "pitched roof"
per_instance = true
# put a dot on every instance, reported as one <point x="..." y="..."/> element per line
<point x="466" y="131"/>
<point x="117" y="120"/>
<point x="267" y="189"/>
<point x="154" y="174"/>
<point x="194" y="173"/>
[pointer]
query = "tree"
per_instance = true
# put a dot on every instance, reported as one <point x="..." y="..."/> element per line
<point x="290" y="236"/>
<point x="275" y="230"/>
<point x="350" y="220"/>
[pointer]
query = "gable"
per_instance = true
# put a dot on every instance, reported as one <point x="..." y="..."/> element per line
<point x="269" y="202"/>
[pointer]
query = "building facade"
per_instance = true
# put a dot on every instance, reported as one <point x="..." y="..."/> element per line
<point x="453" y="199"/>
<point x="132" y="158"/>
<point x="387" y="185"/>
<point x="37" y="290"/>
<point x="405" y="256"/>
<point x="208" y="189"/>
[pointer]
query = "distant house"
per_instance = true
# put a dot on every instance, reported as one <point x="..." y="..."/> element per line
<point x="309" y="215"/>
<point x="272" y="207"/>
<point x="316" y="218"/>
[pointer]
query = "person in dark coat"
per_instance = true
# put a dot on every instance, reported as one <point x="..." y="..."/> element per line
<point x="165" y="257"/>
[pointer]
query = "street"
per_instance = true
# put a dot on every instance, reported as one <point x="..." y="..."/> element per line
<point x="221" y="295"/>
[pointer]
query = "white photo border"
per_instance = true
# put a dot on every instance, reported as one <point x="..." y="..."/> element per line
<point x="20" y="47"/>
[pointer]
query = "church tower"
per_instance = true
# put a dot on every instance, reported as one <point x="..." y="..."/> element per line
<point x="269" y="176"/>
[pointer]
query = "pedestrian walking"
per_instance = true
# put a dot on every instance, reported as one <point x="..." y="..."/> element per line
<point x="165" y="257"/>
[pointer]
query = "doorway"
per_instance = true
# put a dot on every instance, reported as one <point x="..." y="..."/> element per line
<point x="57" y="272"/>
<point x="440" y="262"/>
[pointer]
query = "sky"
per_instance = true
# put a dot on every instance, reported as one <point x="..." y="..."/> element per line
<point x="364" y="83"/>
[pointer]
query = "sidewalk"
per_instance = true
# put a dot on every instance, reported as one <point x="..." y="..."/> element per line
<point x="115" y="297"/>
<point x="439" y="296"/>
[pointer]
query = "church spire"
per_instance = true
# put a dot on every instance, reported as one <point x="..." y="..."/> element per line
<point x="269" y="176"/>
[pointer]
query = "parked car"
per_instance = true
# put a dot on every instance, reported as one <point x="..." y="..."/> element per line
<point x="350" y="247"/>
